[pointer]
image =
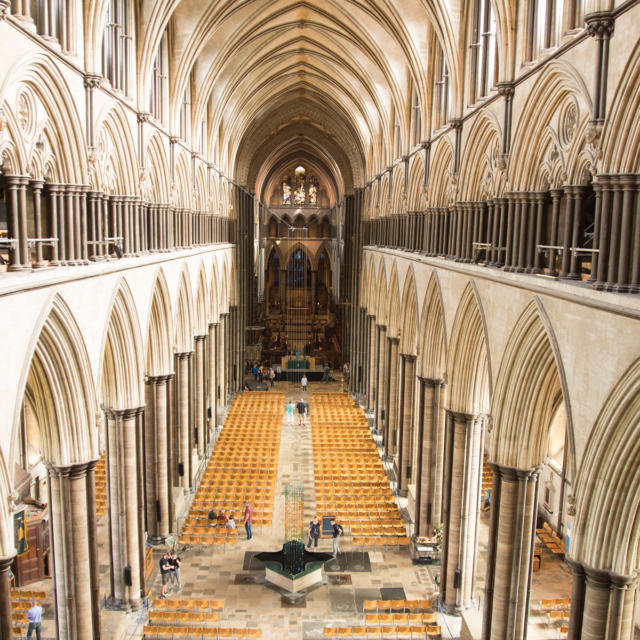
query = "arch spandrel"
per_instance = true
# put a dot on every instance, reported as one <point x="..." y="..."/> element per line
<point x="530" y="386"/>
<point x="607" y="488"/>
<point x="441" y="188"/>
<point x="468" y="366"/>
<point x="202" y="303"/>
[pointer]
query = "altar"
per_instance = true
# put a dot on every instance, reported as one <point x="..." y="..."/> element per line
<point x="291" y="363"/>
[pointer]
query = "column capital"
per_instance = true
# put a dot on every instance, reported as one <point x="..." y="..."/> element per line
<point x="92" y="80"/>
<point x="200" y="337"/>
<point x="513" y="474"/>
<point x="409" y="356"/>
<point x="214" y="325"/>
<point x="371" y="316"/>
<point x="506" y="88"/>
<point x="431" y="382"/>
<point x="394" y="339"/>
<point x="461" y="416"/>
<point x="600" y="24"/>
<point x="159" y="379"/>
<point x="74" y="471"/>
<point x="125" y="414"/>
<point x="5" y="561"/>
<point x="382" y="327"/>
<point x="184" y="355"/>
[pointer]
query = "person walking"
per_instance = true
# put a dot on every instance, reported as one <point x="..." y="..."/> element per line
<point x="303" y="382"/>
<point x="254" y="371"/>
<point x="278" y="373"/>
<point x="290" y="407"/>
<point x="314" y="532"/>
<point x="337" y="531"/>
<point x="34" y="616"/>
<point x="176" y="563"/>
<point x="165" y="573"/>
<point x="325" y="373"/>
<point x="248" y="519"/>
<point x="302" y="410"/>
<point x="272" y="376"/>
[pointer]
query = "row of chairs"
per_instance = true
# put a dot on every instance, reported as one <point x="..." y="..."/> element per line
<point x="400" y="618"/>
<point x="187" y="604"/>
<point x="183" y="617"/>
<point x="387" y="632"/>
<point x="561" y="604"/>
<point x="169" y="633"/>
<point x="100" y="476"/>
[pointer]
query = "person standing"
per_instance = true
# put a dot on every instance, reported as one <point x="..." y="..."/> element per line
<point x="272" y="376"/>
<point x="278" y="373"/>
<point x="303" y="382"/>
<point x="314" y="532"/>
<point x="165" y="573"/>
<point x="337" y="531"/>
<point x="248" y="519"/>
<point x="176" y="563"/>
<point x="34" y="616"/>
<point x="254" y="371"/>
<point x="325" y="373"/>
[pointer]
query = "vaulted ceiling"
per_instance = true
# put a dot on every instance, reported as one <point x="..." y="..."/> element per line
<point x="323" y="82"/>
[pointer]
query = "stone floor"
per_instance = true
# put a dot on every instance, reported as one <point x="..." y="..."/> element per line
<point x="249" y="601"/>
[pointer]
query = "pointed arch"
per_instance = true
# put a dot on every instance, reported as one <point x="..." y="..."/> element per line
<point x="432" y="345"/>
<point x="214" y="294"/>
<point x="530" y="387"/>
<point x="410" y="317"/>
<point x="159" y="335"/>
<point x="7" y="546"/>
<point x="439" y="186"/>
<point x="122" y="359"/>
<point x="607" y="525"/>
<point x="184" y="320"/>
<point x="61" y="391"/>
<point x="468" y="358"/>
<point x="416" y="182"/>
<point x="158" y="169"/>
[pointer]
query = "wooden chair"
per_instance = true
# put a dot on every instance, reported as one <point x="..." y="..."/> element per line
<point x="371" y="618"/>
<point x="434" y="631"/>
<point x="418" y="631"/>
<point x="388" y="631"/>
<point x="429" y="618"/>
<point x="254" y="633"/>
<point x="384" y="605"/>
<point x="330" y="632"/>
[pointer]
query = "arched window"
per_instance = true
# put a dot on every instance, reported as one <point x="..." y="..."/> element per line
<point x="299" y="270"/>
<point x="547" y="22"/>
<point x="300" y="192"/>
<point x="53" y="21"/>
<point x="185" y="113"/>
<point x="483" y="74"/>
<point x="286" y="190"/>
<point x="159" y="80"/>
<point x="116" y="45"/>
<point x="416" y="118"/>
<point x="441" y="111"/>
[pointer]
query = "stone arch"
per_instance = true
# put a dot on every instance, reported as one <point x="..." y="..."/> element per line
<point x="468" y="364"/>
<point x="622" y="122"/>
<point x="122" y="359"/>
<point x="158" y="169"/>
<point x="115" y="169"/>
<point x="538" y="136"/>
<point x="183" y="181"/>
<point x="60" y="388"/>
<point x="159" y="341"/>
<point x="202" y="303"/>
<point x="529" y="389"/>
<point x="607" y="490"/>
<point x="393" y="305"/>
<point x="384" y="204"/>
<point x="184" y="321"/>
<point x="478" y="170"/>
<point x="432" y="346"/>
<point x="7" y="547"/>
<point x="416" y="182"/>
<point x="41" y="80"/>
<point x="410" y="315"/>
<point x="440" y="175"/>
<point x="200" y="189"/>
<point x="370" y="286"/>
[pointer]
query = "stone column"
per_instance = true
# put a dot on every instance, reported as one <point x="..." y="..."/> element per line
<point x="374" y="362"/>
<point x="124" y="456"/>
<point x="380" y="395"/>
<point x="201" y="407"/>
<point x="36" y="187"/>
<point x="222" y="380"/>
<point x="514" y="500"/>
<point x="430" y="457"/>
<point x="17" y="222"/>
<point x="73" y="534"/>
<point x="182" y="401"/>
<point x="157" y="457"/>
<point x="405" y="426"/>
<point x="6" y="626"/>
<point x="461" y="495"/>
<point x="389" y="440"/>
